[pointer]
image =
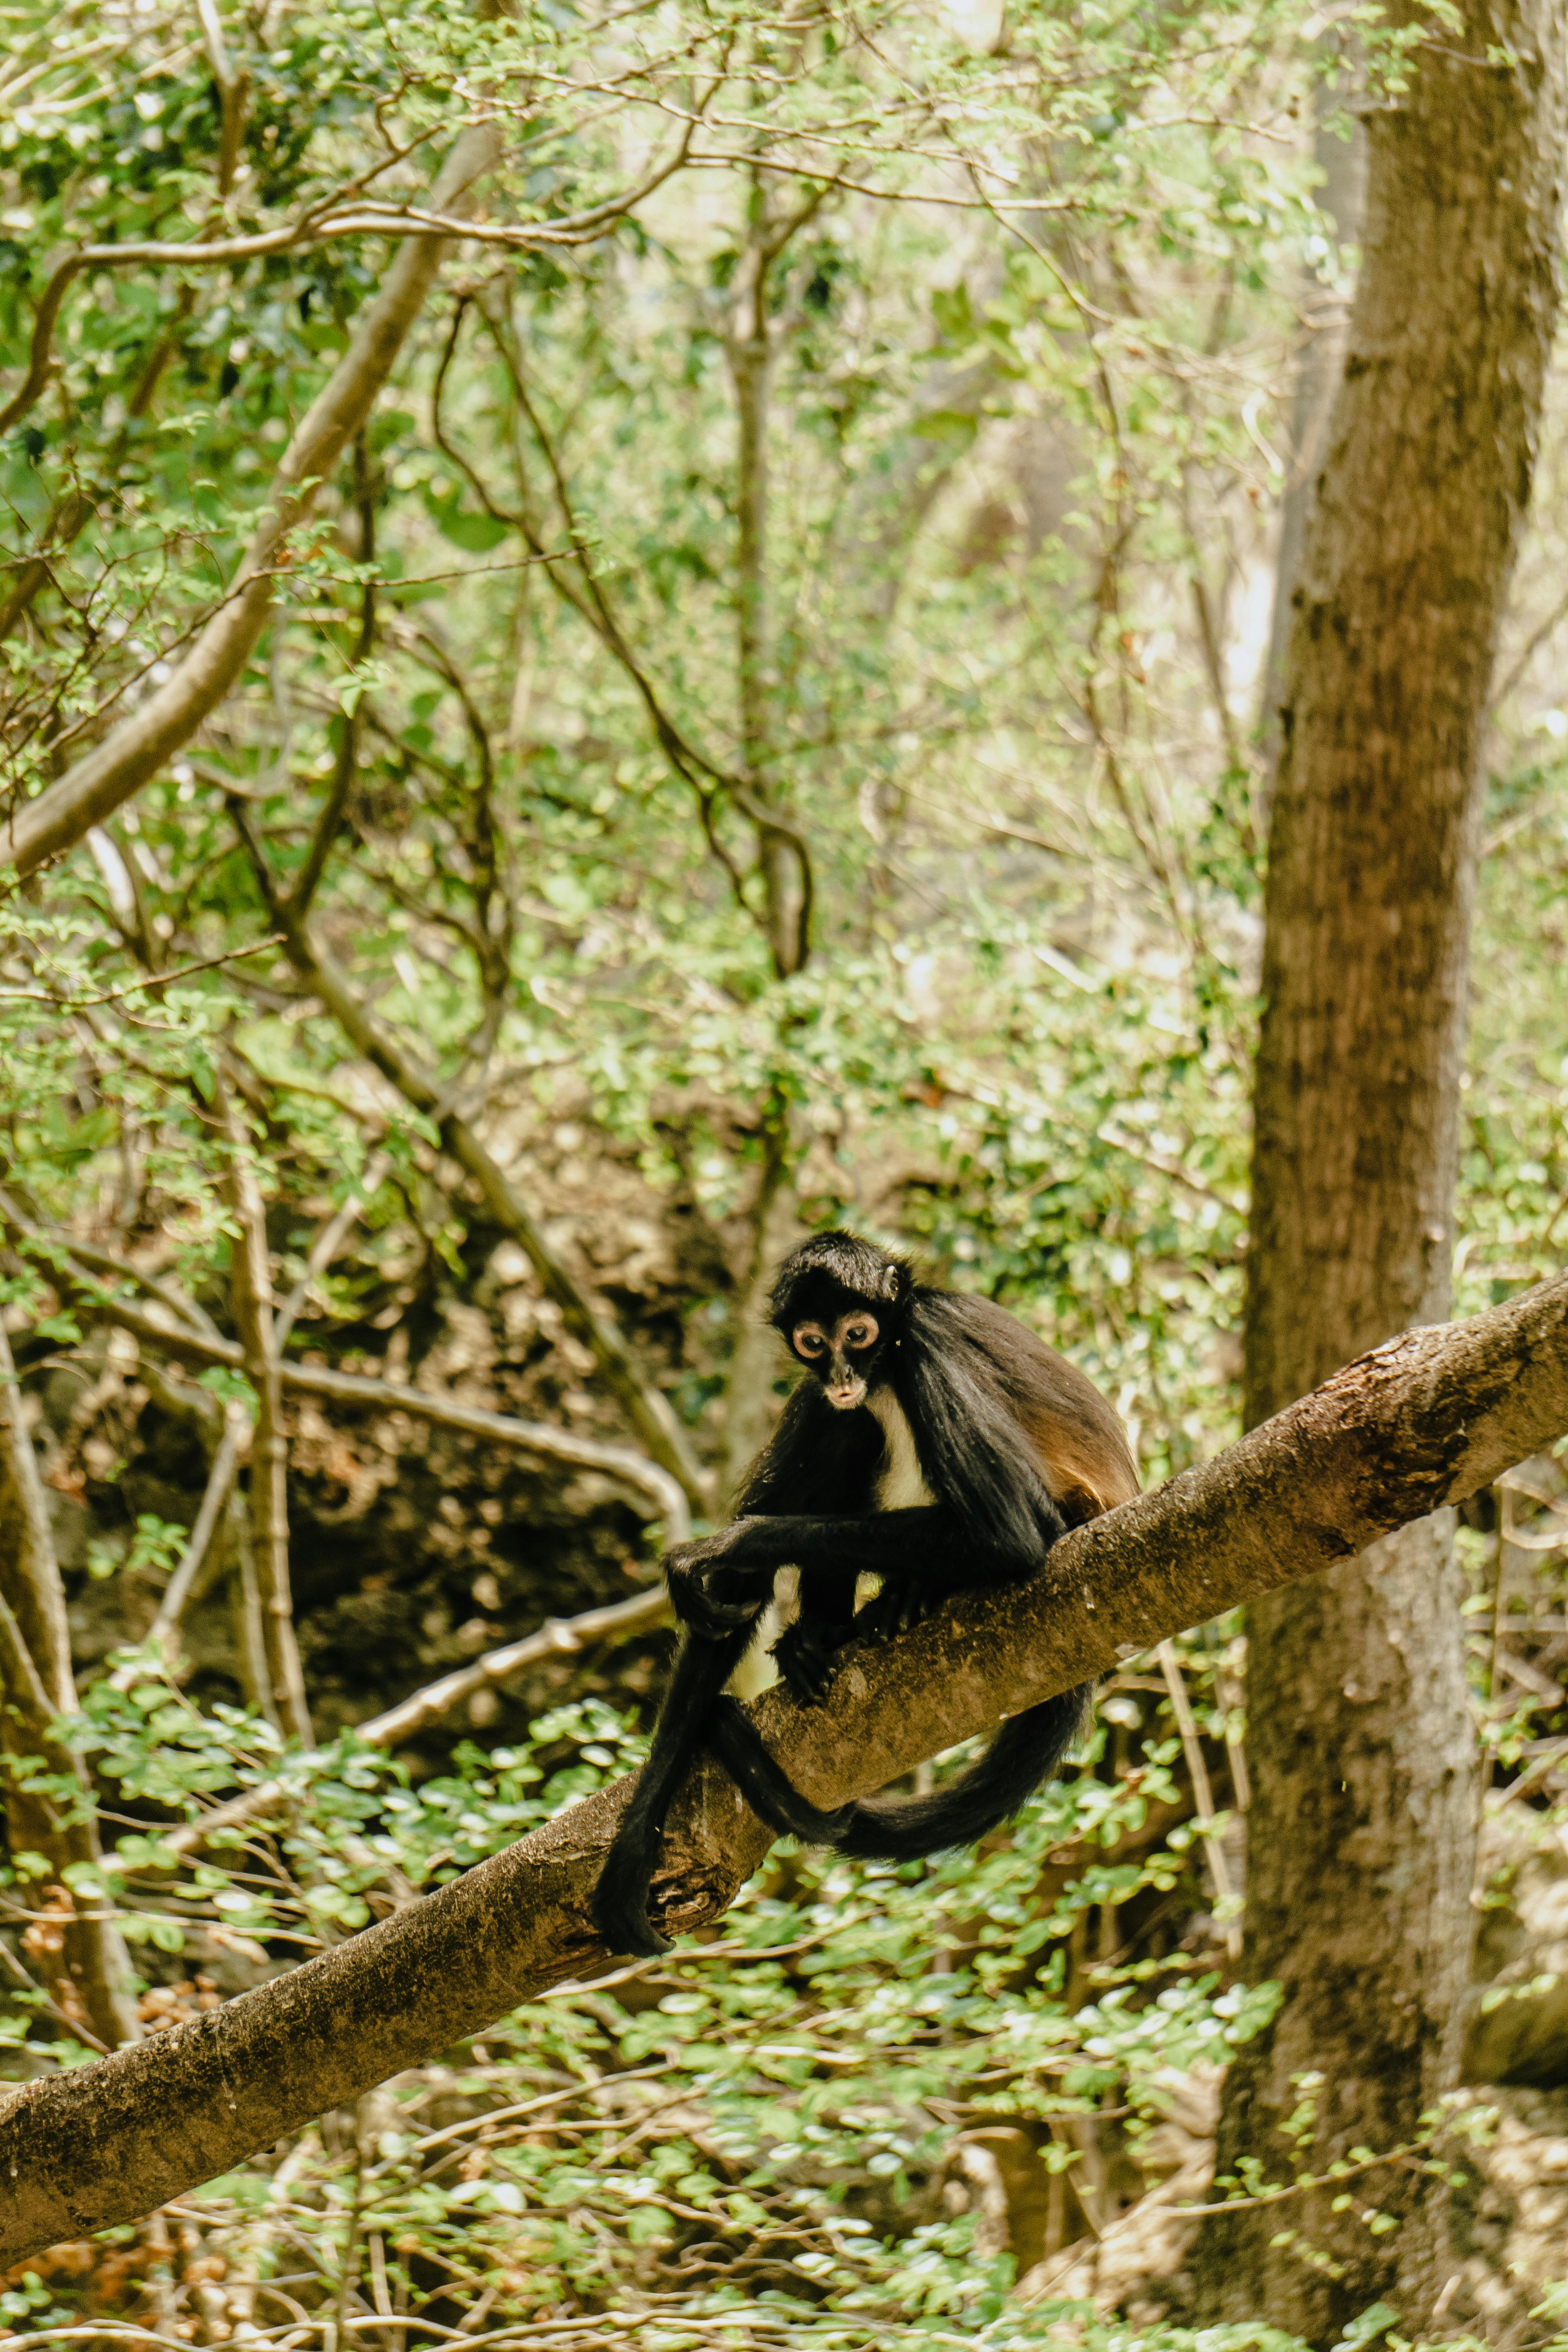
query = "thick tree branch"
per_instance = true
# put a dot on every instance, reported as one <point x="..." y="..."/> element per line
<point x="1422" y="1420"/>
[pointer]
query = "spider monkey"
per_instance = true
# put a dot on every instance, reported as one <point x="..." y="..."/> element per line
<point x="934" y="1443"/>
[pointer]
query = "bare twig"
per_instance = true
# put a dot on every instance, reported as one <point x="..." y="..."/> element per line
<point x="322" y="224"/>
<point x="251" y="1291"/>
<point x="164" y="1628"/>
<point x="647" y="1406"/>
<point x="558" y="1637"/>
<point x="1202" y="1794"/>
<point x="192" y="1339"/>
<point x="326" y="1246"/>
<point x="134" y="987"/>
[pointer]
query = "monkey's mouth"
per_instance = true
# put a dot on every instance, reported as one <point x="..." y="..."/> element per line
<point x="845" y="1400"/>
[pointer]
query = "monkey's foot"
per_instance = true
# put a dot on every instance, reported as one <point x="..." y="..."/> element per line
<point x="620" y="1906"/>
<point x="805" y="1662"/>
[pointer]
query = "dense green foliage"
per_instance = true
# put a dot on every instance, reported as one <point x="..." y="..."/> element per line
<point x="771" y="694"/>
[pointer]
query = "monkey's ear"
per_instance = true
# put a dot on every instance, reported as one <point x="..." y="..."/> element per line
<point x="895" y="1280"/>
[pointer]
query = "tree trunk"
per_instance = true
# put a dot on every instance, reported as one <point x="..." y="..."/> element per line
<point x="1361" y="1829"/>
<point x="1342" y="196"/>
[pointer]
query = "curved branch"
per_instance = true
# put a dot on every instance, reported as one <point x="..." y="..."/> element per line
<point x="322" y="225"/>
<point x="558" y="1637"/>
<point x="593" y="605"/>
<point x="648" y="1408"/>
<point x="37" y="375"/>
<point x="1422" y="1420"/>
<point x="186" y="1344"/>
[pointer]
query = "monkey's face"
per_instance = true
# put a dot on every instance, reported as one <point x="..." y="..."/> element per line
<point x="844" y="1351"/>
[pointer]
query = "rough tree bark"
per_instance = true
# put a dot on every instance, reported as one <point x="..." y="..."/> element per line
<point x="1423" y="1420"/>
<point x="1342" y="159"/>
<point x="1362" y="1827"/>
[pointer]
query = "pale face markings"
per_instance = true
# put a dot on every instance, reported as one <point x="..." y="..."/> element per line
<point x="829" y="1353"/>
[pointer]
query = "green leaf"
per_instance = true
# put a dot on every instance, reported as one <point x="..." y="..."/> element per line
<point x="948" y="426"/>
<point x="475" y="534"/>
<point x="951" y="310"/>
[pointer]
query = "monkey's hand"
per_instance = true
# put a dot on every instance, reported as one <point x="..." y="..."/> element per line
<point x="713" y="1593"/>
<point x="807" y="1660"/>
<point x="903" y="1603"/>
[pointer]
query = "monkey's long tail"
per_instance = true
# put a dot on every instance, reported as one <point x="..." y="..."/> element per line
<point x="1024" y="1754"/>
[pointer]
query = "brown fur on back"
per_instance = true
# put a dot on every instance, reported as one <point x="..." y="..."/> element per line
<point x="1076" y="1435"/>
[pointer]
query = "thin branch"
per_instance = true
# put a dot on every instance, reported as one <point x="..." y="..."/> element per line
<point x="189" y="1343"/>
<point x="558" y="1637"/>
<point x="648" y="1408"/>
<point x="134" y="987"/>
<point x="1525" y="654"/>
<point x="250" y="1290"/>
<point x="328" y="1242"/>
<point x="322" y="225"/>
<point x="22" y="1683"/>
<point x="163" y="1631"/>
<point x="331" y="815"/>
<point x="1202" y="1794"/>
<point x="234" y="90"/>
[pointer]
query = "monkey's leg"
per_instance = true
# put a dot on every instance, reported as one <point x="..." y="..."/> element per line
<point x="806" y="1653"/>
<point x="620" y="1899"/>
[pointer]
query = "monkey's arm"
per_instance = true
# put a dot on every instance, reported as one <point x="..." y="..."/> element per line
<point x="923" y="1556"/>
<point x="721" y="1580"/>
<point x="932" y="1574"/>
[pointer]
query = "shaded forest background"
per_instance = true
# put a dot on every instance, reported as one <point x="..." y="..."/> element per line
<point x="768" y="721"/>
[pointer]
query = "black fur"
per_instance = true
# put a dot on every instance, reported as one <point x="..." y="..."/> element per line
<point x="963" y="1372"/>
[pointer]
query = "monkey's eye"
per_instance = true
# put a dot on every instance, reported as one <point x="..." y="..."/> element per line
<point x="861" y="1334"/>
<point x="809" y="1343"/>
